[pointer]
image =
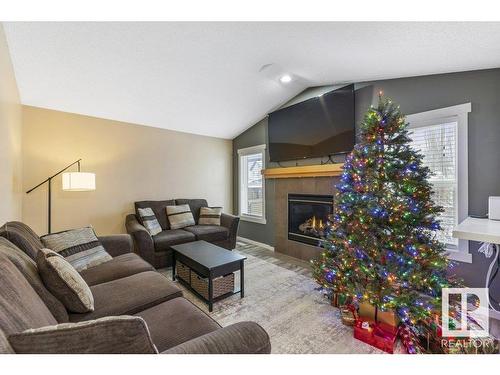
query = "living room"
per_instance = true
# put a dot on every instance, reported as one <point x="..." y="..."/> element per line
<point x="246" y="187"/>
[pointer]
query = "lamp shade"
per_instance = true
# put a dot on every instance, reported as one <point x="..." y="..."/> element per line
<point x="78" y="181"/>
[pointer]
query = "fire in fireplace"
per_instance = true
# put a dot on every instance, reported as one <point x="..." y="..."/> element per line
<point x="308" y="217"/>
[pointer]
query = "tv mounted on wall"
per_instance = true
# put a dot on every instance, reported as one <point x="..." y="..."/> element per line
<point x="317" y="127"/>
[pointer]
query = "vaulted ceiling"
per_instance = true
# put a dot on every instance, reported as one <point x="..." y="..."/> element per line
<point x="218" y="79"/>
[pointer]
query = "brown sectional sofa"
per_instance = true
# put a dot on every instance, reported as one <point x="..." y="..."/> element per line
<point x="156" y="249"/>
<point x="123" y="286"/>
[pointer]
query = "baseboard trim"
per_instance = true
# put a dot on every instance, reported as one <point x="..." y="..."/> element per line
<point x="264" y="245"/>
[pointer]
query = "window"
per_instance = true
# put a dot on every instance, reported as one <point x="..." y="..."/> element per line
<point x="438" y="145"/>
<point x="441" y="136"/>
<point x="252" y="187"/>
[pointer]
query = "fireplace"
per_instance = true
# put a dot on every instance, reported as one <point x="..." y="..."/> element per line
<point x="308" y="217"/>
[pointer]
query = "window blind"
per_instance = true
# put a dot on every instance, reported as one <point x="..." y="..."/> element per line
<point x="438" y="144"/>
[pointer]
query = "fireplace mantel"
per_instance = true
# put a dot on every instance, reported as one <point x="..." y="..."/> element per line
<point x="321" y="170"/>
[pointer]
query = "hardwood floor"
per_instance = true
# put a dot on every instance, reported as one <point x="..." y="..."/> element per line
<point x="297" y="265"/>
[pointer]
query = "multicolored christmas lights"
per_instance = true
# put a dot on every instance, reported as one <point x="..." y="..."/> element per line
<point x="382" y="245"/>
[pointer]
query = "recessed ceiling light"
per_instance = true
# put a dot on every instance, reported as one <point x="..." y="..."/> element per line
<point x="286" y="78"/>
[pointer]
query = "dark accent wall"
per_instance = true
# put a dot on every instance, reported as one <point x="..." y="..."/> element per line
<point x="418" y="94"/>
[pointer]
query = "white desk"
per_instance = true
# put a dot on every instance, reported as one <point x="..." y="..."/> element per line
<point x="481" y="230"/>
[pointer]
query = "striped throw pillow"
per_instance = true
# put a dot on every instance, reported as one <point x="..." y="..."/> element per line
<point x="62" y="279"/>
<point x="80" y="247"/>
<point x="149" y="220"/>
<point x="180" y="216"/>
<point x="210" y="215"/>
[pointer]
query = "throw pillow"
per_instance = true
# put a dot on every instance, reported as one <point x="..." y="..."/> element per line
<point x="109" y="335"/>
<point x="64" y="282"/>
<point x="80" y="247"/>
<point x="180" y="216"/>
<point x="210" y="215"/>
<point x="149" y="220"/>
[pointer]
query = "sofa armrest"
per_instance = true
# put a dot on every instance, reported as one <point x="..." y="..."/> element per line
<point x="143" y="242"/>
<point x="239" y="338"/>
<point x="231" y="222"/>
<point x="117" y="244"/>
<point x="109" y="335"/>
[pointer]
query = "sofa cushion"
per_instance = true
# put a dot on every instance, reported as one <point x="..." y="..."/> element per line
<point x="20" y="306"/>
<point x="195" y="205"/>
<point x="64" y="281"/>
<point x="179" y="216"/>
<point x="109" y="335"/>
<point x="22" y="236"/>
<point x="158" y="208"/>
<point x="176" y="321"/>
<point x="210" y="215"/>
<point x="167" y="238"/>
<point x="149" y="220"/>
<point x="238" y="338"/>
<point x="118" y="267"/>
<point x="209" y="233"/>
<point x="129" y="295"/>
<point x="80" y="247"/>
<point x="28" y="268"/>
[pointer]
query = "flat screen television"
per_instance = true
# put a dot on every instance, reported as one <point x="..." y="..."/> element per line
<point x="317" y="127"/>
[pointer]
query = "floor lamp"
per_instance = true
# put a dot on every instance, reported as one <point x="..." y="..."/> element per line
<point x="71" y="181"/>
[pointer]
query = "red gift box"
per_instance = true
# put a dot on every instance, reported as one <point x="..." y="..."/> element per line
<point x="364" y="334"/>
<point x="379" y="335"/>
<point x="385" y="337"/>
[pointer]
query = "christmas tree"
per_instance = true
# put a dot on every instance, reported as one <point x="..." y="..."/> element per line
<point x="382" y="245"/>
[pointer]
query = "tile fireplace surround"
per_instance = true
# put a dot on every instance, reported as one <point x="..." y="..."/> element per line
<point x="305" y="185"/>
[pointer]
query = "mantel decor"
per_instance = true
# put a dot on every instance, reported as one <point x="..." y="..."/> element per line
<point x="318" y="170"/>
<point x="71" y="181"/>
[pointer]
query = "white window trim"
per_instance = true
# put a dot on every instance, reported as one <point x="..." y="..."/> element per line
<point x="248" y="151"/>
<point x="459" y="114"/>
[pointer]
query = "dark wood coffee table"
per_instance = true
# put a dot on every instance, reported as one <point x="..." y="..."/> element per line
<point x="210" y="261"/>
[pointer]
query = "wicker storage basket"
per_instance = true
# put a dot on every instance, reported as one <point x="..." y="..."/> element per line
<point x="183" y="272"/>
<point x="221" y="285"/>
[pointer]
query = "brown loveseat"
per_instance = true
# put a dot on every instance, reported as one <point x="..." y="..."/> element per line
<point x="137" y="310"/>
<point x="156" y="249"/>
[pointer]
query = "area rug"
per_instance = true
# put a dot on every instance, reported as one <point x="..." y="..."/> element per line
<point x="286" y="303"/>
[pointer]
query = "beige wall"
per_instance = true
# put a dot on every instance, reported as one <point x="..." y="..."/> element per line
<point x="10" y="138"/>
<point x="131" y="162"/>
